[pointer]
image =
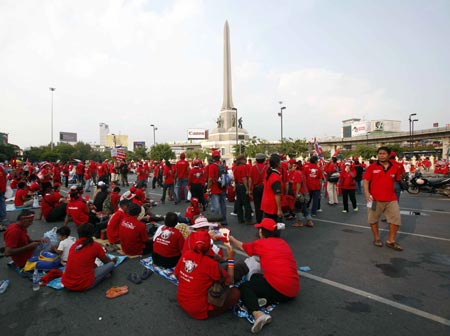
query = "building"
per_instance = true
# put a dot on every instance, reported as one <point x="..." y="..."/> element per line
<point x="104" y="131"/>
<point x="355" y="127"/>
<point x="113" y="140"/>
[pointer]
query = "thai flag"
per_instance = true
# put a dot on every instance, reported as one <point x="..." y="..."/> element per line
<point x="318" y="149"/>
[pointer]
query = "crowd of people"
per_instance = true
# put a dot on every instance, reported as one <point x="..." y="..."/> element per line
<point x="278" y="188"/>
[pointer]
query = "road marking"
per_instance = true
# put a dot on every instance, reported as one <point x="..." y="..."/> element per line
<point x="371" y="296"/>
<point x="426" y="210"/>
<point x="387" y="230"/>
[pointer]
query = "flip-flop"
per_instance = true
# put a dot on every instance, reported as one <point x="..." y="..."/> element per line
<point x="394" y="245"/>
<point x="378" y="243"/>
<point x="298" y="224"/>
<point x="114" y="292"/>
<point x="134" y="278"/>
<point x="147" y="273"/>
<point x="310" y="225"/>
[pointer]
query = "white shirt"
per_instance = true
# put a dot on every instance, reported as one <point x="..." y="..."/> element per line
<point x="64" y="246"/>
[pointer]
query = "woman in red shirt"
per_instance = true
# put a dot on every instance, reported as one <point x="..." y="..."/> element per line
<point x="169" y="180"/>
<point x="81" y="272"/>
<point x="196" y="272"/>
<point x="279" y="282"/>
<point x="271" y="199"/>
<point x="168" y="242"/>
<point x="348" y="186"/>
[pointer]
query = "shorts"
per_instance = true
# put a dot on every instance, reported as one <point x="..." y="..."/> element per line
<point x="391" y="211"/>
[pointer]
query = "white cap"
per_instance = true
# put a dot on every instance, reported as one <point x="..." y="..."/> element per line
<point x="200" y="222"/>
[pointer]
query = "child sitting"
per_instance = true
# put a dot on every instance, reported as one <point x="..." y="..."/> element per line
<point x="65" y="243"/>
<point x="193" y="211"/>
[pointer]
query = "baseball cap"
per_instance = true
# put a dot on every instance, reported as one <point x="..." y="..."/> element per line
<point x="268" y="224"/>
<point x="260" y="156"/>
<point x="216" y="153"/>
<point x="128" y="195"/>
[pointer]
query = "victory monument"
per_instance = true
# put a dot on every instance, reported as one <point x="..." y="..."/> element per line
<point x="229" y="122"/>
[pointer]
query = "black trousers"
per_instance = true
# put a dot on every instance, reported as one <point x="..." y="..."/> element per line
<point x="257" y="198"/>
<point x="57" y="213"/>
<point x="243" y="204"/>
<point x="348" y="193"/>
<point x="197" y="191"/>
<point x="258" y="287"/>
<point x="165" y="262"/>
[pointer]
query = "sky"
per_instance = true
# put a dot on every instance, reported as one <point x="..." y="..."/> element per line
<point x="132" y="63"/>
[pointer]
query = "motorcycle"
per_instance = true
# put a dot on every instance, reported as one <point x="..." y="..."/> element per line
<point x="432" y="185"/>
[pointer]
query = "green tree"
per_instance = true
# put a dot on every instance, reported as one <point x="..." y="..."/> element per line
<point x="33" y="154"/>
<point x="138" y="154"/>
<point x="82" y="151"/>
<point x="8" y="151"/>
<point x="196" y="153"/>
<point x="65" y="151"/>
<point x="366" y="152"/>
<point x="162" y="152"/>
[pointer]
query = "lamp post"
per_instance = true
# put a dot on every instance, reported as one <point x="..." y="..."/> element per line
<point x="154" y="137"/>
<point x="52" y="89"/>
<point x="410" y="128"/>
<point x="114" y="140"/>
<point x="412" y="131"/>
<point x="236" y="125"/>
<point x="280" y="114"/>
<point x="367" y="138"/>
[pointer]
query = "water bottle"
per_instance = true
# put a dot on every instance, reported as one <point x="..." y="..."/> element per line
<point x="36" y="279"/>
<point x="3" y="285"/>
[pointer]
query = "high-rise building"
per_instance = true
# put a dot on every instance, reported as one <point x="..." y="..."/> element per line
<point x="104" y="131"/>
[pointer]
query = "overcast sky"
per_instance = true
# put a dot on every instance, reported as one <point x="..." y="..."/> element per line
<point x="131" y="63"/>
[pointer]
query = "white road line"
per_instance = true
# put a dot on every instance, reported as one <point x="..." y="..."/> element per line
<point x="368" y="228"/>
<point x="426" y="210"/>
<point x="371" y="296"/>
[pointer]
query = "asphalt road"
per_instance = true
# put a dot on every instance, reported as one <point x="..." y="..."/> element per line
<point x="353" y="288"/>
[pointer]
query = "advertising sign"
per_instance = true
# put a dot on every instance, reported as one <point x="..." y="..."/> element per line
<point x="360" y="128"/>
<point x="197" y="134"/>
<point x="138" y="144"/>
<point x="67" y="137"/>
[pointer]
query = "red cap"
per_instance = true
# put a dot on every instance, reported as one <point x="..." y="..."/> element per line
<point x="393" y="154"/>
<point x="216" y="153"/>
<point x="182" y="156"/>
<point x="292" y="161"/>
<point x="268" y="224"/>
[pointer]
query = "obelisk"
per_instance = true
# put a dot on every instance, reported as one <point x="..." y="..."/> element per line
<point x="227" y="91"/>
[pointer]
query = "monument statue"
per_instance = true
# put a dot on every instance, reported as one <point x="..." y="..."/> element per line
<point x="240" y="122"/>
<point x="219" y="122"/>
<point x="233" y="121"/>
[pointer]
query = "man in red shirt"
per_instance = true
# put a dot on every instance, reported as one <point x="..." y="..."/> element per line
<point x="181" y="176"/>
<point x="168" y="242"/>
<point x="379" y="180"/>
<point x="45" y="176"/>
<point x="112" y="229"/>
<point x="196" y="182"/>
<point x="314" y="178"/>
<point x="79" y="169"/>
<point x="271" y="199"/>
<point x="242" y="189"/>
<point x="18" y="244"/>
<point x="169" y="181"/>
<point x="23" y="196"/>
<point x="218" y="195"/>
<point x="133" y="233"/>
<point x="2" y="194"/>
<point x="332" y="170"/>
<point x="257" y="176"/>
<point x="142" y="175"/>
<point x="53" y="206"/>
<point x="77" y="209"/>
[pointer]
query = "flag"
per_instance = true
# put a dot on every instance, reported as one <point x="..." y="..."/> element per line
<point x="336" y="152"/>
<point x="318" y="149"/>
<point x="119" y="153"/>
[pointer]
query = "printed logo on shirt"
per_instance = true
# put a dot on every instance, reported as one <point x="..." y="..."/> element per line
<point x="128" y="225"/>
<point x="166" y="234"/>
<point x="189" y="266"/>
<point x="376" y="171"/>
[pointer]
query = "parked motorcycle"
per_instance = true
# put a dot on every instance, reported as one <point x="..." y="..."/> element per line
<point x="433" y="185"/>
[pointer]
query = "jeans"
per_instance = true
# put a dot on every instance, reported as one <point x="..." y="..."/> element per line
<point x="358" y="187"/>
<point x="242" y="201"/>
<point x="182" y="183"/>
<point x="2" y="206"/>
<point x="101" y="272"/>
<point x="397" y="190"/>
<point x="87" y="187"/>
<point x="315" y="196"/>
<point x="171" y="189"/>
<point x="219" y="206"/>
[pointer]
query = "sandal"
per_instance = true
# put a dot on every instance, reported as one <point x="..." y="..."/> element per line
<point x="298" y="224"/>
<point x="147" y="273"/>
<point x="394" y="245"/>
<point x="114" y="292"/>
<point x="134" y="278"/>
<point x="309" y="224"/>
<point x="378" y="243"/>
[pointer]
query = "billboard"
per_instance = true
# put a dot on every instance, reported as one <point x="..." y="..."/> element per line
<point x="138" y="144"/>
<point x="3" y="138"/>
<point x="67" y="137"/>
<point x="197" y="134"/>
<point x="360" y="128"/>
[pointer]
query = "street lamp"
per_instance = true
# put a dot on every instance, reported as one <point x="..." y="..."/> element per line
<point x="52" y="89"/>
<point x="280" y="114"/>
<point x="412" y="131"/>
<point x="367" y="138"/>
<point x="410" y="128"/>
<point x="154" y="137"/>
<point x="236" y="125"/>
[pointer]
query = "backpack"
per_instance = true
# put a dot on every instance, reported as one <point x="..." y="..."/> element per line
<point x="224" y="179"/>
<point x="107" y="205"/>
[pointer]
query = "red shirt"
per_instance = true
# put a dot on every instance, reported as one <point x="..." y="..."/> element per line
<point x="112" y="230"/>
<point x="79" y="273"/>
<point x="35" y="186"/>
<point x="195" y="274"/>
<point x="92" y="168"/>
<point x="196" y="176"/>
<point x="115" y="198"/>
<point x="141" y="174"/>
<point x="314" y="177"/>
<point x="382" y="181"/>
<point x="2" y="180"/>
<point x="140" y="195"/>
<point x="133" y="235"/>
<point x="240" y="173"/>
<point x="258" y="174"/>
<point x="79" y="212"/>
<point x="268" y="203"/>
<point x="213" y="174"/>
<point x="347" y="179"/>
<point x="191" y="213"/>
<point x="79" y="169"/>
<point x="45" y="175"/>
<point x="168" y="175"/>
<point x="182" y="169"/>
<point x="49" y="201"/>
<point x="19" y="198"/>
<point x="277" y="263"/>
<point x="15" y="237"/>
<point x="169" y="243"/>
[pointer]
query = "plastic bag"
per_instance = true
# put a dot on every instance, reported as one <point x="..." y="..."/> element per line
<point x="189" y="195"/>
<point x="9" y="192"/>
<point x="36" y="202"/>
<point x="51" y="236"/>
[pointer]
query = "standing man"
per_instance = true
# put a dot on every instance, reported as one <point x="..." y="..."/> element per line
<point x="332" y="168"/>
<point x="181" y="176"/>
<point x="359" y="173"/>
<point x="379" y="180"/>
<point x="196" y="182"/>
<point x="314" y="178"/>
<point x="2" y="195"/>
<point x="257" y="175"/>
<point x="218" y="195"/>
<point x="242" y="189"/>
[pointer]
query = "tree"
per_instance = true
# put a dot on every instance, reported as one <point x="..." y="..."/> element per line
<point x="162" y="152"/>
<point x="8" y="151"/>
<point x="33" y="154"/>
<point x="196" y="154"/>
<point x="138" y="154"/>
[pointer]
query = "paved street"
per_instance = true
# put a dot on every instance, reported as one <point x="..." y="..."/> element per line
<point x="353" y="287"/>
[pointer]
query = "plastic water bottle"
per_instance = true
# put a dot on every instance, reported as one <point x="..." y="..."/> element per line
<point x="36" y="279"/>
<point x="3" y="285"/>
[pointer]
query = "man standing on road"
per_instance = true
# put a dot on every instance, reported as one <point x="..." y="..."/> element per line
<point x="181" y="176"/>
<point x="379" y="180"/>
<point x="218" y="195"/>
<point x="2" y="195"/>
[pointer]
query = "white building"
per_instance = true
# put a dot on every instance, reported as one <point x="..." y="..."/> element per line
<point x="104" y="131"/>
